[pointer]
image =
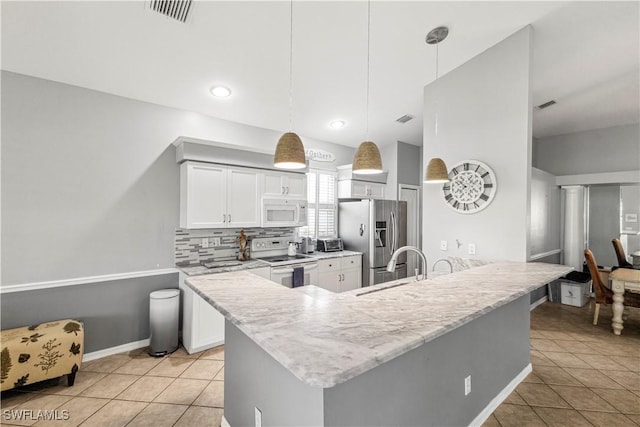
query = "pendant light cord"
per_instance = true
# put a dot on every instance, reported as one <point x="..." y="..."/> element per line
<point x="291" y="67"/>
<point x="435" y="139"/>
<point x="368" y="64"/>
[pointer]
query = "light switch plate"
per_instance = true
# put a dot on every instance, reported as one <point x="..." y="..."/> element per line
<point x="472" y="248"/>
<point x="467" y="385"/>
<point x="204" y="242"/>
<point x="443" y="245"/>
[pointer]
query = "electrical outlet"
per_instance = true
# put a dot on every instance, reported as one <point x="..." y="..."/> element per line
<point x="472" y="248"/>
<point x="204" y="242"/>
<point x="215" y="241"/>
<point x="258" y="417"/>
<point x="467" y="385"/>
<point x="443" y="245"/>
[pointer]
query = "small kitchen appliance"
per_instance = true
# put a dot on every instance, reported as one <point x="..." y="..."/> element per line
<point x="330" y="245"/>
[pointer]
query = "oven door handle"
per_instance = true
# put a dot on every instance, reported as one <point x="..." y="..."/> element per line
<point x="289" y="268"/>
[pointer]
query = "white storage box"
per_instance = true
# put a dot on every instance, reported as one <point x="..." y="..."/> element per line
<point x="575" y="293"/>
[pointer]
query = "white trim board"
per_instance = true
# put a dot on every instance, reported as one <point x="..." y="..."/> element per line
<point x="115" y="350"/>
<point x="496" y="401"/>
<point x="84" y="280"/>
<point x="625" y="177"/>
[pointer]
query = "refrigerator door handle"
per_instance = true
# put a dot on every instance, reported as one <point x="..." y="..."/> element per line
<point x="395" y="232"/>
<point x="361" y="229"/>
<point x="392" y="224"/>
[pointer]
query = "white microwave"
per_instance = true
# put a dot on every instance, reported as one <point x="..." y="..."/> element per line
<point x="284" y="213"/>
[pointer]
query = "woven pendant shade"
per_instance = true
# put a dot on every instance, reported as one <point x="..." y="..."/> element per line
<point x="367" y="159"/>
<point x="436" y="171"/>
<point x="289" y="152"/>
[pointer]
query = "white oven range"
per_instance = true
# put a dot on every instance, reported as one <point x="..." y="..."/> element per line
<point x="273" y="250"/>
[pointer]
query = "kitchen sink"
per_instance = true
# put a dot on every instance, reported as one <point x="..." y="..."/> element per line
<point x="395" y="285"/>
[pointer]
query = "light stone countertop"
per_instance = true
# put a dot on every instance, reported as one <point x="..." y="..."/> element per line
<point x="199" y="270"/>
<point x="335" y="254"/>
<point x="326" y="339"/>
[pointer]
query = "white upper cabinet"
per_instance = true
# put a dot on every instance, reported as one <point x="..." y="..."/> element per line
<point x="354" y="189"/>
<point x="243" y="197"/>
<point x="284" y="184"/>
<point x="214" y="196"/>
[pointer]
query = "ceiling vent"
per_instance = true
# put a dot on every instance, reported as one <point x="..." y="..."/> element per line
<point x="174" y="9"/>
<point x="404" y="119"/>
<point x="545" y="105"/>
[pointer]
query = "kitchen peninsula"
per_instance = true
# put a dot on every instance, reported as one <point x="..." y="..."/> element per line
<point x="381" y="355"/>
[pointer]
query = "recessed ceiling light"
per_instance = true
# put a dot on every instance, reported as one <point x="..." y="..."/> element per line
<point x="337" y="124"/>
<point x="220" y="91"/>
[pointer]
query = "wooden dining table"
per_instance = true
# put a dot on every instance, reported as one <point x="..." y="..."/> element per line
<point x="622" y="279"/>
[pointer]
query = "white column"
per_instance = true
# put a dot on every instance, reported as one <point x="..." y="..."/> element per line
<point x="573" y="239"/>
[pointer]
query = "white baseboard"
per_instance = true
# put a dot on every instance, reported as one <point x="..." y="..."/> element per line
<point x="224" y="422"/>
<point x="496" y="401"/>
<point x="115" y="350"/>
<point x="537" y="303"/>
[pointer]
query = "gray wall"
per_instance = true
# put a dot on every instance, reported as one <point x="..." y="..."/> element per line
<point x="260" y="381"/>
<point x="423" y="387"/>
<point x="89" y="180"/>
<point x="613" y="149"/>
<point x="484" y="113"/>
<point x="409" y="164"/>
<point x="604" y="222"/>
<point x="114" y="312"/>
<point x="90" y="187"/>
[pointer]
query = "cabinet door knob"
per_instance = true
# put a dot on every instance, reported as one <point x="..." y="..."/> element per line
<point x="224" y="218"/>
<point x="229" y="218"/>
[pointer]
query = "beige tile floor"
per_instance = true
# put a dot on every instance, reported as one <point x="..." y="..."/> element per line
<point x="582" y="375"/>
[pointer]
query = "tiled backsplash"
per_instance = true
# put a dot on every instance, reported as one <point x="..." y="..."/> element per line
<point x="189" y="250"/>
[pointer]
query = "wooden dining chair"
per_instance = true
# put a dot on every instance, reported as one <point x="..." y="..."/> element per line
<point x="622" y="258"/>
<point x="604" y="295"/>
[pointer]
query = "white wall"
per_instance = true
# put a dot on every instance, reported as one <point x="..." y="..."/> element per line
<point x="613" y="149"/>
<point x="483" y="114"/>
<point x="89" y="180"/>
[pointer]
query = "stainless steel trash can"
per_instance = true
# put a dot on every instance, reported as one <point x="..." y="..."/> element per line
<point x="164" y="309"/>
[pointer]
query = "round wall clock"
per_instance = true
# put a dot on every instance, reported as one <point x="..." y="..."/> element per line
<point x="473" y="186"/>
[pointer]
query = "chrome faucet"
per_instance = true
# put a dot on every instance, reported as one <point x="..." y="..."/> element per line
<point x="394" y="259"/>
<point x="445" y="260"/>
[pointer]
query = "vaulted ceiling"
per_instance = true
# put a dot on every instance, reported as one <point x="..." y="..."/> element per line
<point x="585" y="56"/>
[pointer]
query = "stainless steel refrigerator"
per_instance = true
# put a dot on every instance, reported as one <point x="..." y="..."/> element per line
<point x="376" y="228"/>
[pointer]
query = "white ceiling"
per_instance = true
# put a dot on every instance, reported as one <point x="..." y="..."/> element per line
<point x="586" y="56"/>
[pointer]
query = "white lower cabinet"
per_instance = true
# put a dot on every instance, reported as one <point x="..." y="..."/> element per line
<point x="203" y="325"/>
<point x="340" y="274"/>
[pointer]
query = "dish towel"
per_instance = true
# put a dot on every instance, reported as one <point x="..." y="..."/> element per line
<point x="298" y="277"/>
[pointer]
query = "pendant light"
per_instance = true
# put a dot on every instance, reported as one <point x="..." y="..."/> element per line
<point x="290" y="151"/>
<point x="367" y="159"/>
<point x="436" y="169"/>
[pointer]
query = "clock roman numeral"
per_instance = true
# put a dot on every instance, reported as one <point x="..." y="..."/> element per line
<point x="448" y="197"/>
<point x="456" y="204"/>
<point x="484" y="197"/>
<point x="488" y="186"/>
<point x="466" y="166"/>
<point x="485" y="174"/>
<point x="476" y="205"/>
<point x="455" y="171"/>
<point x="446" y="187"/>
